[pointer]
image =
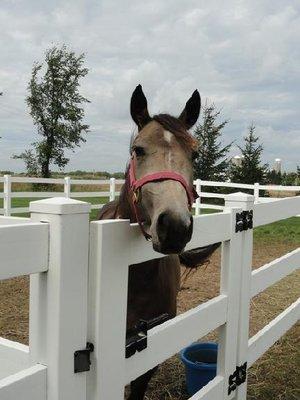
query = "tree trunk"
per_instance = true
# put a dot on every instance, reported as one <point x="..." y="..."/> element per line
<point x="45" y="169"/>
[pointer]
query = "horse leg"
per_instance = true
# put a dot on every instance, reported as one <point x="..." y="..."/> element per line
<point x="139" y="385"/>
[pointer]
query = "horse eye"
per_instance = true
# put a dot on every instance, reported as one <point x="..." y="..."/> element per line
<point x="139" y="151"/>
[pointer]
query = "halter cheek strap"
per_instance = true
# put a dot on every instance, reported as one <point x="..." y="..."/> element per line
<point x="137" y="184"/>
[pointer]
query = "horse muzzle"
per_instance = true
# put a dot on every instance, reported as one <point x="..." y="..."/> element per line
<point x="173" y="232"/>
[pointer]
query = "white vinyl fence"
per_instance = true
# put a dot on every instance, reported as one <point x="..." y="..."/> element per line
<point x="78" y="295"/>
<point x="66" y="185"/>
<point x="111" y="193"/>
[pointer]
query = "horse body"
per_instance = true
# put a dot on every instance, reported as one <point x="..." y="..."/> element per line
<point x="162" y="144"/>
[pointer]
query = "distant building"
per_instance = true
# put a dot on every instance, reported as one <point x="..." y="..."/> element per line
<point x="237" y="160"/>
<point x="278" y="165"/>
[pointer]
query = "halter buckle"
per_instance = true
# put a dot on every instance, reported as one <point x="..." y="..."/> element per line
<point x="135" y="195"/>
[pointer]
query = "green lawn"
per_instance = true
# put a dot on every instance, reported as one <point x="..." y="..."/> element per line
<point x="24" y="202"/>
<point x="285" y="231"/>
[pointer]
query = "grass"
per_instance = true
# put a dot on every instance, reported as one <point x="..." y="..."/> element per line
<point x="286" y="231"/>
<point x="24" y="202"/>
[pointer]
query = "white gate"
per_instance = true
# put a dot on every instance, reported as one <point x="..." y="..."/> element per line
<point x="75" y="300"/>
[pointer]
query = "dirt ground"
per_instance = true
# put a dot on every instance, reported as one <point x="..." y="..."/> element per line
<point x="274" y="377"/>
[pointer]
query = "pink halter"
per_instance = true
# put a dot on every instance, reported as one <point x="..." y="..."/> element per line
<point x="137" y="184"/>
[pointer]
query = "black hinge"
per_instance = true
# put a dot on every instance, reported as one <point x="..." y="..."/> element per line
<point x="82" y="359"/>
<point x="138" y="336"/>
<point x="237" y="378"/>
<point x="244" y="221"/>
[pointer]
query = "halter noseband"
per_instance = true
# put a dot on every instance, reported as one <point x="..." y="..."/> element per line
<point x="137" y="184"/>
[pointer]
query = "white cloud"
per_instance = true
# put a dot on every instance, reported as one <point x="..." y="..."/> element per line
<point x="244" y="56"/>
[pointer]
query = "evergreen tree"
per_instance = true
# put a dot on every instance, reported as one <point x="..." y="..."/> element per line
<point x="274" y="177"/>
<point x="251" y="169"/>
<point x="291" y="178"/>
<point x="210" y="162"/>
<point x="56" y="107"/>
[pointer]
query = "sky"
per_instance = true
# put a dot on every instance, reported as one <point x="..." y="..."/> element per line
<point x="244" y="56"/>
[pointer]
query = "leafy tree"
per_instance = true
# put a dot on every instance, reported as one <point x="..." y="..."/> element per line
<point x="30" y="160"/>
<point x="211" y="162"/>
<point x="56" y="107"/>
<point x="251" y="169"/>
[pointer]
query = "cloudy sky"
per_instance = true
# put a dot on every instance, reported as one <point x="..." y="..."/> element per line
<point x="242" y="55"/>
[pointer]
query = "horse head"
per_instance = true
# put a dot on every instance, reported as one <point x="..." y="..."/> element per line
<point x="160" y="173"/>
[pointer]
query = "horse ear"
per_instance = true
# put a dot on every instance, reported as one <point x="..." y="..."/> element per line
<point x="191" y="110"/>
<point x="138" y="108"/>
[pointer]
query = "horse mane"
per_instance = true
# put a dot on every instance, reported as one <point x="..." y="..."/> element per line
<point x="175" y="126"/>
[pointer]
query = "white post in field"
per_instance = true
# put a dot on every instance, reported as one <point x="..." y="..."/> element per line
<point x="7" y="195"/>
<point x="246" y="202"/>
<point x="256" y="192"/>
<point x="58" y="298"/>
<point x="67" y="187"/>
<point x="112" y="189"/>
<point x="198" y="200"/>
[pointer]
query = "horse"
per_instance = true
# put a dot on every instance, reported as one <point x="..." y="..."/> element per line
<point x="158" y="194"/>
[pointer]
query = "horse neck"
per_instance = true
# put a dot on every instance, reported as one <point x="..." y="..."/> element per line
<point x="125" y="210"/>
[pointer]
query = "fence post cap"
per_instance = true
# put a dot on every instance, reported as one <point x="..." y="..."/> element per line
<point x="240" y="196"/>
<point x="59" y="206"/>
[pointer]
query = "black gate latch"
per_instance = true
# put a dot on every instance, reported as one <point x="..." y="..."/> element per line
<point x="244" y="221"/>
<point x="137" y="337"/>
<point x="82" y="359"/>
<point x="237" y="378"/>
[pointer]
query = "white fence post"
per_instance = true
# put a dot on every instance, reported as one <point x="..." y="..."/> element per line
<point x="246" y="202"/>
<point x="256" y="192"/>
<point x="230" y="286"/>
<point x="67" y="187"/>
<point x="112" y="189"/>
<point x="108" y="278"/>
<point x="58" y="298"/>
<point x="7" y="195"/>
<point x="198" y="200"/>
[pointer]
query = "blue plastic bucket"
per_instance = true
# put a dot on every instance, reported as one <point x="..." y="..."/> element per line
<point x="200" y="360"/>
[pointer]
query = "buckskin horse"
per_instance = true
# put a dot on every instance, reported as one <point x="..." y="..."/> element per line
<point x="158" y="194"/>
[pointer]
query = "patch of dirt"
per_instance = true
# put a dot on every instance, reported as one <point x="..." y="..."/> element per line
<point x="14" y="309"/>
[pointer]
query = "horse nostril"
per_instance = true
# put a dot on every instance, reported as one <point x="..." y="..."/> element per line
<point x="161" y="219"/>
<point x="162" y="225"/>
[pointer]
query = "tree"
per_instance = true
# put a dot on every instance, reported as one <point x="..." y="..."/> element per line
<point x="251" y="169"/>
<point x="274" y="177"/>
<point x="56" y="107"/>
<point x="31" y="162"/>
<point x="211" y="162"/>
<point x="291" y="178"/>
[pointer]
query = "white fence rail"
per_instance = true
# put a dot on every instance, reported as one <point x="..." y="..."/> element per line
<point x="23" y="249"/>
<point x="66" y="282"/>
<point x="67" y="182"/>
